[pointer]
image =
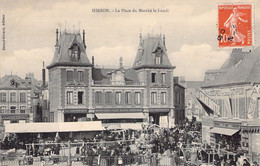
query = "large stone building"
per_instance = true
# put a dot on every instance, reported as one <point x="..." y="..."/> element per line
<point x="79" y="91"/>
<point x="232" y="102"/>
<point x="19" y="99"/>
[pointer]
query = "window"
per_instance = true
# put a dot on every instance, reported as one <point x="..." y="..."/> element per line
<point x="2" y="109"/>
<point x="98" y="97"/>
<point x="80" y="97"/>
<point x="178" y="98"/>
<point x="137" y="98"/>
<point x="80" y="75"/>
<point x="22" y="109"/>
<point x="163" y="77"/>
<point x="118" y="97"/>
<point x="14" y="121"/>
<point x="12" y="109"/>
<point x="153" y="97"/>
<point x="12" y="97"/>
<point x="158" y="56"/>
<point x="51" y="116"/>
<point x="75" y="53"/>
<point x="163" y="97"/>
<point x="158" y="60"/>
<point x="69" y="75"/>
<point x="69" y="97"/>
<point x="127" y="97"/>
<point x="2" y="97"/>
<point x="108" y="97"/>
<point x="235" y="107"/>
<point x="153" y="77"/>
<point x="23" y="97"/>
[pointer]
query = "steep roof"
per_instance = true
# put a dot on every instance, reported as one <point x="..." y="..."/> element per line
<point x="145" y="57"/>
<point x="15" y="82"/>
<point x="235" y="57"/>
<point x="61" y="55"/>
<point x="247" y="70"/>
<point x="101" y="74"/>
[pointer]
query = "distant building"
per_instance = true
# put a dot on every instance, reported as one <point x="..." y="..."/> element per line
<point x="232" y="103"/>
<point x="212" y="74"/>
<point x="193" y="107"/>
<point x="19" y="99"/>
<point x="78" y="91"/>
<point x="179" y="101"/>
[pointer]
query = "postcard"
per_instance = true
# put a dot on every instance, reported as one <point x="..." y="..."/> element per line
<point x="76" y="73"/>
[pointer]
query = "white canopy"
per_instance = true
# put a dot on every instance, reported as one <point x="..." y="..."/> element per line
<point x="138" y="115"/>
<point x="53" y="127"/>
<point x="224" y="131"/>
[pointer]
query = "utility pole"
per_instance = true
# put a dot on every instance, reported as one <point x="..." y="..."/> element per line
<point x="69" y="155"/>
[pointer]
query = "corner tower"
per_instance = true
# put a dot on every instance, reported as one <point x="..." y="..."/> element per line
<point x="69" y="79"/>
<point x="155" y="71"/>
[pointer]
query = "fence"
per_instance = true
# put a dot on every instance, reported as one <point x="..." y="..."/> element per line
<point x="133" y="160"/>
<point x="67" y="155"/>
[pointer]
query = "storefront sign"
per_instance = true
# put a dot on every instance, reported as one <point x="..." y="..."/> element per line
<point x="225" y="92"/>
<point x="208" y="102"/>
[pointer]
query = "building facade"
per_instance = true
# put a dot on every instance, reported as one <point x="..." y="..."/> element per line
<point x="232" y="104"/>
<point x="79" y="91"/>
<point x="19" y="100"/>
<point x="179" y="101"/>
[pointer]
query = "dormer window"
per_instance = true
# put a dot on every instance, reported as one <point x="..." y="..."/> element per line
<point x="75" y="56"/>
<point x="158" y="56"/>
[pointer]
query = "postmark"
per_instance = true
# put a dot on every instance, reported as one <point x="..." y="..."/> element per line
<point x="235" y="25"/>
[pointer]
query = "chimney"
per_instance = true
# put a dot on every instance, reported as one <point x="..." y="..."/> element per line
<point x="121" y="62"/>
<point x="93" y="62"/>
<point x="140" y="37"/>
<point x="84" y="38"/>
<point x="43" y="75"/>
<point x="57" y="39"/>
<point x="164" y="42"/>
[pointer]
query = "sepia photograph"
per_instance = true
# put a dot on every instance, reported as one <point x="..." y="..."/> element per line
<point x="130" y="83"/>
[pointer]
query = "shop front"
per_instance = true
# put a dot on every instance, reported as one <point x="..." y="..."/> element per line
<point x="75" y="115"/>
<point x="250" y="135"/>
<point x="159" y="117"/>
<point x="226" y="134"/>
<point x="121" y="120"/>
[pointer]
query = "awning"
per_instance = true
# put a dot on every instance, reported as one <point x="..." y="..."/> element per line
<point x="120" y="115"/>
<point x="53" y="127"/>
<point x="159" y="110"/>
<point x="133" y="126"/>
<point x="224" y="131"/>
<point x="123" y="126"/>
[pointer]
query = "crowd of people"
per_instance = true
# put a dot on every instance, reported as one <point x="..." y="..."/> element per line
<point x="153" y="145"/>
<point x="130" y="146"/>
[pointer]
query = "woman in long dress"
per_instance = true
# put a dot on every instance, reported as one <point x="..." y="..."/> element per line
<point x="232" y="23"/>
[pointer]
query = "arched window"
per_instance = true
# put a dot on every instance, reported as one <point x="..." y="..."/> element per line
<point x="75" y="53"/>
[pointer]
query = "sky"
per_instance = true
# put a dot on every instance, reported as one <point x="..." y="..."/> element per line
<point x="190" y="28"/>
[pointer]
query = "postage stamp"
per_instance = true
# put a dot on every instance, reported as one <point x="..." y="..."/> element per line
<point x="235" y="25"/>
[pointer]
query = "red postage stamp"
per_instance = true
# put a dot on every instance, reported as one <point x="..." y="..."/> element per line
<point x="235" y="25"/>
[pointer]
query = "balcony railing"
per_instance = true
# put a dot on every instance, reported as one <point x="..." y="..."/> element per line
<point x="118" y="83"/>
<point x="15" y="111"/>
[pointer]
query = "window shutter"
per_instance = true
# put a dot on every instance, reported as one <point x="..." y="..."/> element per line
<point x="96" y="98"/>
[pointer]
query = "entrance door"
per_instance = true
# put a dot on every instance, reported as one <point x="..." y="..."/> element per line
<point x="75" y="117"/>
